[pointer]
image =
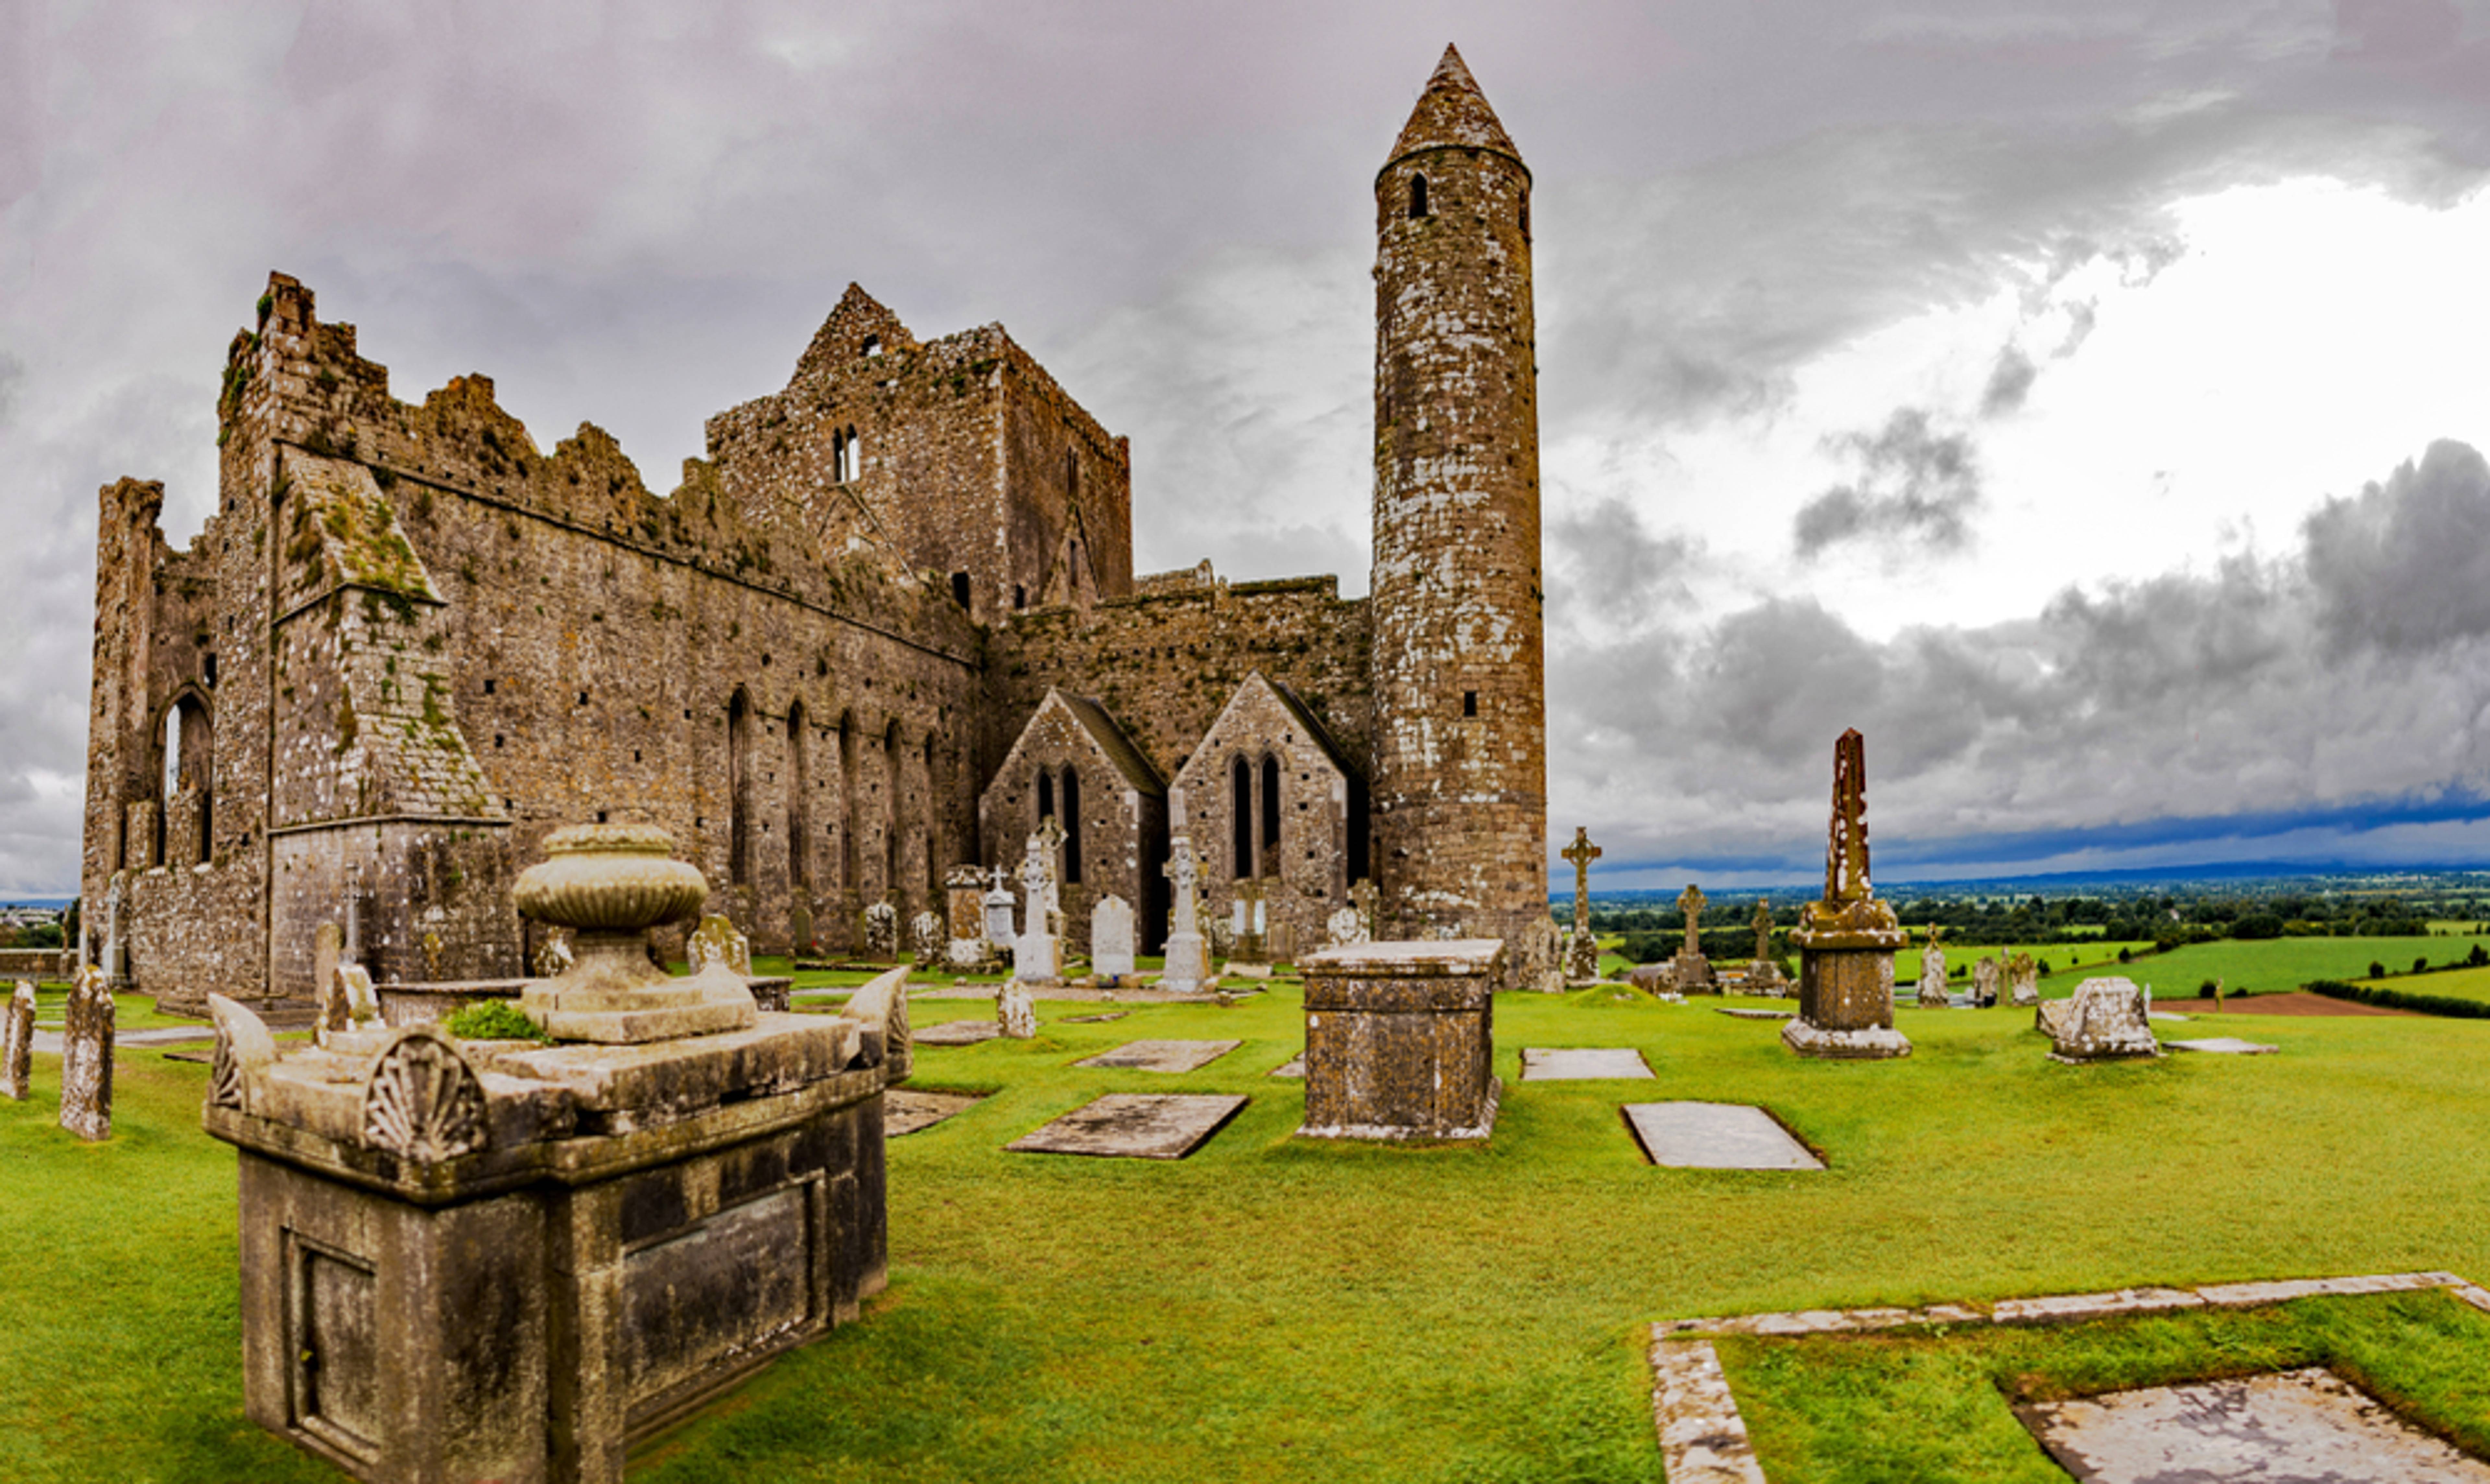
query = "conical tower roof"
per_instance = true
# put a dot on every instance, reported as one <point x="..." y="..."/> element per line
<point x="1452" y="112"/>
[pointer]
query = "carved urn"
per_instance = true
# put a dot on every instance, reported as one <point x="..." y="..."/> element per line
<point x="609" y="885"/>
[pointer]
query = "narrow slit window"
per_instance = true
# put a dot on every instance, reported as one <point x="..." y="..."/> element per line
<point x="1470" y="703"/>
<point x="1417" y="196"/>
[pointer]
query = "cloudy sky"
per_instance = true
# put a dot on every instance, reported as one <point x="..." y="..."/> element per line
<point x="2087" y="402"/>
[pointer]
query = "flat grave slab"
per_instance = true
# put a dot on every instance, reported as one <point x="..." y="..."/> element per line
<point x="1715" y="1136"/>
<point x="957" y="1032"/>
<point x="2224" y="1045"/>
<point x="1294" y="1067"/>
<point x="1091" y="1020"/>
<point x="2285" y="1425"/>
<point x="907" y="1110"/>
<point x="1581" y="1063"/>
<point x="1742" y="1012"/>
<point x="1162" y="1055"/>
<point x="1133" y="1125"/>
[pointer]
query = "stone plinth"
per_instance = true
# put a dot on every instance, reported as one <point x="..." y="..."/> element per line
<point x="1400" y="1040"/>
<point x="1845" y="983"/>
<point x="498" y="1260"/>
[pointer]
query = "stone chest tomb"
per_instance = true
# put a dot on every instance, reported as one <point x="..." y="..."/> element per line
<point x="509" y="1260"/>
<point x="1400" y="1040"/>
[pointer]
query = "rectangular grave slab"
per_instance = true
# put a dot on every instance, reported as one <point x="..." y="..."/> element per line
<point x="2306" y="1424"/>
<point x="1133" y="1125"/>
<point x="1742" y="1012"/>
<point x="958" y="1032"/>
<point x="2224" y="1045"/>
<point x="1581" y="1063"/>
<point x="1715" y="1136"/>
<point x="1162" y="1055"/>
<point x="906" y="1111"/>
<point x="1294" y="1067"/>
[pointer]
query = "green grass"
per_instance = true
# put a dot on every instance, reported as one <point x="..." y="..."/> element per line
<point x="129" y="1012"/>
<point x="2276" y="964"/>
<point x="1938" y="1406"/>
<point x="1275" y="1310"/>
<point x="2452" y="984"/>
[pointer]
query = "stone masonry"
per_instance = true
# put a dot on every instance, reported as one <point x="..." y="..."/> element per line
<point x="410" y="640"/>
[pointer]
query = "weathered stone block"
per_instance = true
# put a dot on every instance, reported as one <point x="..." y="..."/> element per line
<point x="1400" y="1040"/>
<point x="86" y="1056"/>
<point x="17" y="1043"/>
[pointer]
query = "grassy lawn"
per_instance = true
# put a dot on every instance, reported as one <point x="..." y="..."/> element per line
<point x="2287" y="962"/>
<point x="1274" y="1310"/>
<point x="2454" y="984"/>
<point x="129" y="1012"/>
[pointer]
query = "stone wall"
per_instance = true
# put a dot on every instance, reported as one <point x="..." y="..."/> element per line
<point x="1300" y="835"/>
<point x="1113" y="814"/>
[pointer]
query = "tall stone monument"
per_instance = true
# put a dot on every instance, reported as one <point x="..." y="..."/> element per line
<point x="1689" y="969"/>
<point x="17" y="1043"/>
<point x="1188" y="956"/>
<point x="1035" y="957"/>
<point x="86" y="1058"/>
<point x="498" y="1260"/>
<point x="1846" y="941"/>
<point x="1582" y="945"/>
<point x="1933" y="995"/>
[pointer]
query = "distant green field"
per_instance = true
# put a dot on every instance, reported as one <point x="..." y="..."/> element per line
<point x="2287" y="962"/>
<point x="2454" y="984"/>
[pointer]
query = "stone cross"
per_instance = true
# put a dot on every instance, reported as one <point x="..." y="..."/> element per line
<point x="1037" y="880"/>
<point x="1763" y="930"/>
<point x="1690" y="902"/>
<point x="1180" y="869"/>
<point x="1845" y="855"/>
<point x="1582" y="853"/>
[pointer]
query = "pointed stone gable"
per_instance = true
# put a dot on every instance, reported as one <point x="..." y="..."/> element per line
<point x="1452" y="113"/>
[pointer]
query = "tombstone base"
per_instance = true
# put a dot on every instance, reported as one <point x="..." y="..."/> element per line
<point x="1187" y="965"/>
<point x="1037" y="958"/>
<point x="1869" y="1043"/>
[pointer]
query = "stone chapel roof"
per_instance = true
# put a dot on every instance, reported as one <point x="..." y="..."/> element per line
<point x="1452" y="113"/>
<point x="1112" y="740"/>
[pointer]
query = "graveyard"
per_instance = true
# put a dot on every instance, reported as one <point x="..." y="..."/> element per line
<point x="1277" y="1307"/>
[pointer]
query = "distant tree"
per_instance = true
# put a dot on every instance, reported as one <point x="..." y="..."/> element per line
<point x="2376" y="970"/>
<point x="2478" y="957"/>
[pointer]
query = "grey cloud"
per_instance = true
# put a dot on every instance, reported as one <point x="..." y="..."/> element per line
<point x="1914" y="483"/>
<point x="2405" y="565"/>
<point x="2195" y="694"/>
<point x="1607" y="559"/>
<point x="2009" y="382"/>
<point x="2082" y="316"/>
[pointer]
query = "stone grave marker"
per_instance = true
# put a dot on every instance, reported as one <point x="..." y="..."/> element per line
<point x="998" y="910"/>
<point x="2306" y="1424"/>
<point x="1188" y="956"/>
<point x="1581" y="944"/>
<point x="1581" y="1063"/>
<point x="1689" y="969"/>
<point x="1132" y="1125"/>
<point x="925" y="937"/>
<point x="1984" y="981"/>
<point x="1294" y="1067"/>
<point x="799" y="926"/>
<point x="716" y="942"/>
<point x="1343" y="929"/>
<point x="1933" y="995"/>
<point x="2023" y="980"/>
<point x="1162" y="1055"/>
<point x="2221" y="1045"/>
<point x="1097" y="1019"/>
<point x="881" y="932"/>
<point x="1111" y="938"/>
<point x="1715" y="1136"/>
<point x="907" y="1110"/>
<point x="1846" y="941"/>
<point x="328" y="951"/>
<point x="86" y="1058"/>
<point x="2102" y="1021"/>
<point x="1015" y="1015"/>
<point x="1400" y="1040"/>
<point x="1035" y="955"/>
<point x="17" y="1043"/>
<point x="958" y="1032"/>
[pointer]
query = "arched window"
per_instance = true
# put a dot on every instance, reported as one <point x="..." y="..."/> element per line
<point x="1044" y="794"/>
<point x="854" y="465"/>
<point x="1270" y="813"/>
<point x="1417" y="196"/>
<point x="739" y="788"/>
<point x="1071" y="828"/>
<point x="892" y="753"/>
<point x="800" y="800"/>
<point x="189" y="769"/>
<point x="848" y="814"/>
<point x="1240" y="818"/>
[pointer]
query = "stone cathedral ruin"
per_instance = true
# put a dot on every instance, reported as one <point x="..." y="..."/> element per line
<point x="886" y="625"/>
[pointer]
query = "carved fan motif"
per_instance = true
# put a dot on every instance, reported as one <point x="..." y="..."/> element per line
<point x="424" y="1102"/>
<point x="224" y="1078"/>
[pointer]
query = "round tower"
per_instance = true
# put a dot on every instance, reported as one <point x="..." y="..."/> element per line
<point x="1460" y="793"/>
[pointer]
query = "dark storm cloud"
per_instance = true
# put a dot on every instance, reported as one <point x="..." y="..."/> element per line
<point x="2346" y="679"/>
<point x="2405" y="565"/>
<point x="1914" y="484"/>
<point x="2009" y="382"/>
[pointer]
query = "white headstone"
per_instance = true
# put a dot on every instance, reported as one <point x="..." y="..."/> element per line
<point x="1014" y="1012"/>
<point x="1110" y="937"/>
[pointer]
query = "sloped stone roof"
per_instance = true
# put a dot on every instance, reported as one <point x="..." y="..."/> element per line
<point x="1452" y="113"/>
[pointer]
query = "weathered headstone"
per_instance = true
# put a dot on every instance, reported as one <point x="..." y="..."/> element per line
<point x="1014" y="1012"/>
<point x="925" y="937"/>
<point x="17" y="1043"/>
<point x="1846" y="941"/>
<point x="350" y="1013"/>
<point x="1690" y="970"/>
<point x="999" y="905"/>
<point x="799" y="926"/>
<point x="86" y="1058"/>
<point x="1984" y="982"/>
<point x="328" y="951"/>
<point x="965" y="918"/>
<point x="1581" y="944"/>
<point x="881" y="932"/>
<point x="1933" y="995"/>
<point x="716" y="942"/>
<point x="116" y="965"/>
<point x="1249" y="926"/>
<point x="2104" y="1020"/>
<point x="2023" y="980"/>
<point x="1111" y="938"/>
<point x="1188" y="957"/>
